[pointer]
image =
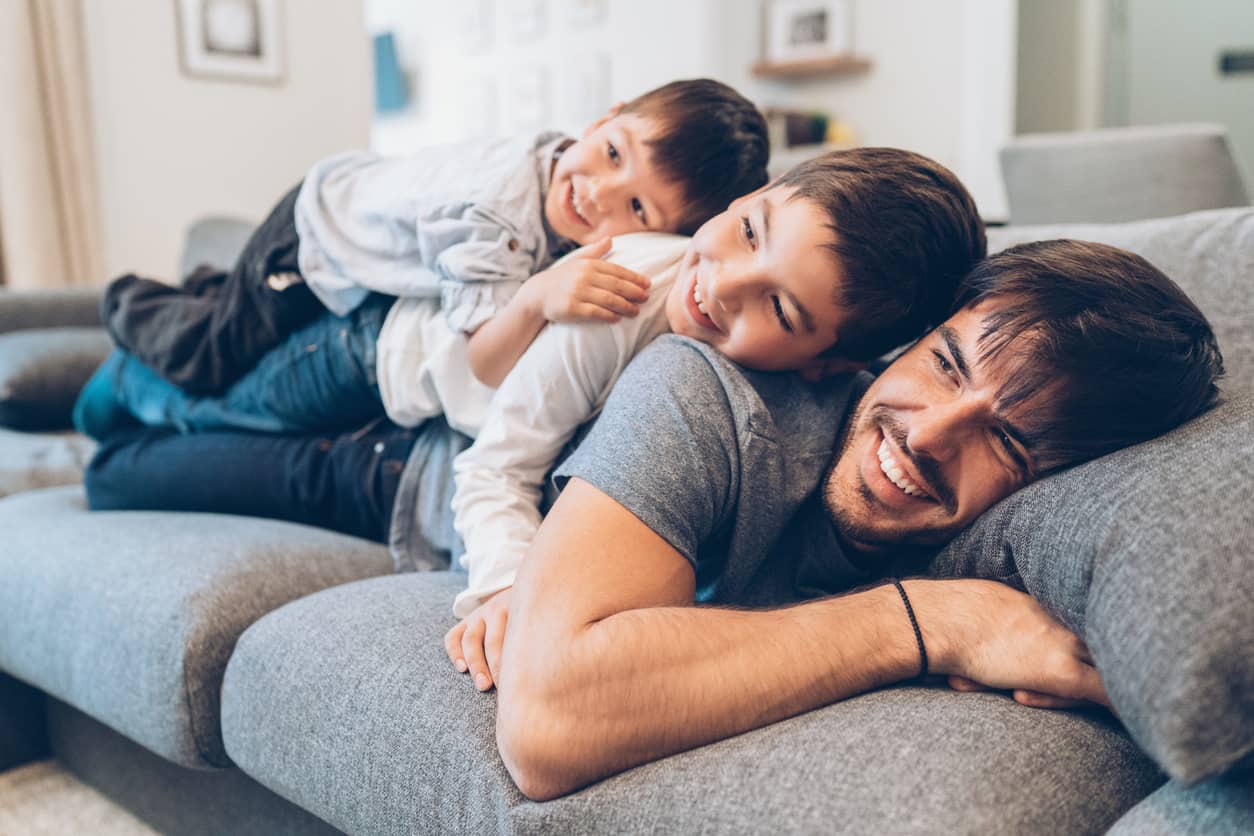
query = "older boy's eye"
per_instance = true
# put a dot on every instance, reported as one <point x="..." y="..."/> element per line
<point x="747" y="229"/>
<point x="638" y="208"/>
<point x="779" y="314"/>
<point x="613" y="152"/>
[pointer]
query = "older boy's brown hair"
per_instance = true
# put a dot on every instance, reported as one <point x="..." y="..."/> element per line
<point x="712" y="143"/>
<point x="905" y="231"/>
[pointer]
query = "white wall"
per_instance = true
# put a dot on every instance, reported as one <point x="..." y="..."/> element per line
<point x="170" y="148"/>
<point x="942" y="82"/>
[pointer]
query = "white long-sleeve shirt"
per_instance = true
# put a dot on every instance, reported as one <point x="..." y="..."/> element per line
<point x="561" y="381"/>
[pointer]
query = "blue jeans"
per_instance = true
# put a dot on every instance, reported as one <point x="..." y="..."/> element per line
<point x="345" y="482"/>
<point x="321" y="378"/>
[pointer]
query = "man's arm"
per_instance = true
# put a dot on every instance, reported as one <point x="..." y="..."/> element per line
<point x="606" y="665"/>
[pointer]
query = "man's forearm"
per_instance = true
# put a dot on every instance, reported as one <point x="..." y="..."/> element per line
<point x="645" y="683"/>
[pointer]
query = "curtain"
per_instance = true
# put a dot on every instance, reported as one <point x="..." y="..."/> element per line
<point x="49" y="207"/>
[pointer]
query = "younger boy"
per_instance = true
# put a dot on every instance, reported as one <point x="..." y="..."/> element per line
<point x="466" y="224"/>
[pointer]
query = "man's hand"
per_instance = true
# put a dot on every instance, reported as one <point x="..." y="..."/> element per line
<point x="474" y="645"/>
<point x="984" y="634"/>
<point x="583" y="288"/>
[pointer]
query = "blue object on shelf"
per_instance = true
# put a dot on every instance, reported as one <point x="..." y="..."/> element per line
<point x="391" y="88"/>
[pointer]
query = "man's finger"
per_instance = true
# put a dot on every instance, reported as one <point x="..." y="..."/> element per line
<point x="453" y="646"/>
<point x="493" y="641"/>
<point x="961" y="683"/>
<point x="1035" y="699"/>
<point x="472" y="647"/>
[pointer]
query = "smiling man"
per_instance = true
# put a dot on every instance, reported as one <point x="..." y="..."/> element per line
<point x="728" y="494"/>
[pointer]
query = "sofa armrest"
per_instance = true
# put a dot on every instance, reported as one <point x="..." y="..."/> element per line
<point x="24" y="309"/>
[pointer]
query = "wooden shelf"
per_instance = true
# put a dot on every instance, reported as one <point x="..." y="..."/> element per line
<point x="836" y="65"/>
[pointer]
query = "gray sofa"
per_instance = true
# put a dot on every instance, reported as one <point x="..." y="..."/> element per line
<point x="223" y="674"/>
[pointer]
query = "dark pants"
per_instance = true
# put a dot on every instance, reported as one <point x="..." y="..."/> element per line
<point x="346" y="483"/>
<point x="206" y="334"/>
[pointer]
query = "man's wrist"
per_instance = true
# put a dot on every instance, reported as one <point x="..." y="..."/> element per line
<point x="933" y="602"/>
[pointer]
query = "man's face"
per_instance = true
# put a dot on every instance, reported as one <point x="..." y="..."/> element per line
<point x="758" y="282"/>
<point x="928" y="449"/>
<point x="606" y="184"/>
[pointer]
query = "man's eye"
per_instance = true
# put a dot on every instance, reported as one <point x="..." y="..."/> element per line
<point x="779" y="314"/>
<point x="1006" y="441"/>
<point x="943" y="364"/>
<point x="750" y="236"/>
<point x="638" y="209"/>
<point x="612" y="151"/>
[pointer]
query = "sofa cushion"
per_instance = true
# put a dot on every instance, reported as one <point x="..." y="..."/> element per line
<point x="42" y="460"/>
<point x="1221" y="807"/>
<point x="42" y="371"/>
<point x="1145" y="553"/>
<point x="345" y="703"/>
<point x="1209" y="254"/>
<point x="20" y="309"/>
<point x="130" y="616"/>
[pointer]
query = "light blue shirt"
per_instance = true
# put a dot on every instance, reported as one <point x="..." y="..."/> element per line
<point x="461" y="222"/>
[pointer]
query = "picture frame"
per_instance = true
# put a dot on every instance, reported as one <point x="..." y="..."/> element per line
<point x="236" y="40"/>
<point x="806" y="30"/>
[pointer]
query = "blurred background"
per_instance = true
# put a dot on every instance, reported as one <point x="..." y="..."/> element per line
<point x="126" y="120"/>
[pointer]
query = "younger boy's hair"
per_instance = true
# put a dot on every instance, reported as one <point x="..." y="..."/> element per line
<point x="905" y="231"/>
<point x="1105" y="349"/>
<point x="712" y="142"/>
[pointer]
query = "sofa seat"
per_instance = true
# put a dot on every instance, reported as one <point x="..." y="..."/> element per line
<point x="345" y="703"/>
<point x="130" y="616"/>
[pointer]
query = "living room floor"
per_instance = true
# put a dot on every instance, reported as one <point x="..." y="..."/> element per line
<point x="45" y="799"/>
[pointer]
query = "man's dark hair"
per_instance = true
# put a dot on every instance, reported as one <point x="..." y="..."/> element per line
<point x="905" y="230"/>
<point x="1117" y="350"/>
<point x="712" y="142"/>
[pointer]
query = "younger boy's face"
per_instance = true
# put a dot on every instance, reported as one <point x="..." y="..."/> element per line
<point x="606" y="184"/>
<point x="758" y="281"/>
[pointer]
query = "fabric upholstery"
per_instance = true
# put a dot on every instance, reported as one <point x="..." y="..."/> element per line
<point x="41" y="460"/>
<point x="23" y="736"/>
<point x="1120" y="174"/>
<point x="130" y="616"/>
<point x="42" y="371"/>
<point x="1222" y="807"/>
<point x="346" y="704"/>
<point x="48" y="309"/>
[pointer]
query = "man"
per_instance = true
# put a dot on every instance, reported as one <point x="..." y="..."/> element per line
<point x="1058" y="352"/>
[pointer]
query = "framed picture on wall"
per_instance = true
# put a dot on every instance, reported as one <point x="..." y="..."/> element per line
<point x="231" y="39"/>
<point x="803" y="30"/>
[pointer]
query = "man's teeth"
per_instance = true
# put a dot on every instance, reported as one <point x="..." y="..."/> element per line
<point x="696" y="297"/>
<point x="894" y="472"/>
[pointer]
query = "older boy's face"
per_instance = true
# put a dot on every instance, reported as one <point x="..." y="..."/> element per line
<point x="606" y="184"/>
<point x="928" y="449"/>
<point x="758" y="282"/>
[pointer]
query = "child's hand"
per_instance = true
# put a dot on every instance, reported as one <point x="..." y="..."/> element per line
<point x="583" y="288"/>
<point x="474" y="645"/>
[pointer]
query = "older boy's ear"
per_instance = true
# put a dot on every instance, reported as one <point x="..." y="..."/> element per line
<point x="823" y="367"/>
<point x="614" y="110"/>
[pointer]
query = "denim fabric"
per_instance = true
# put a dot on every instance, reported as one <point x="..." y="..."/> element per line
<point x="322" y="378"/>
<point x="346" y="483"/>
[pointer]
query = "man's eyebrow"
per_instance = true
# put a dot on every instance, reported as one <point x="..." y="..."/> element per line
<point x="955" y="351"/>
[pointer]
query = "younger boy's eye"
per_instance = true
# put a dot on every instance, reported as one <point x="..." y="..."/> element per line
<point x="779" y="314"/>
<point x="747" y="229"/>
<point x="613" y="152"/>
<point x="638" y="209"/>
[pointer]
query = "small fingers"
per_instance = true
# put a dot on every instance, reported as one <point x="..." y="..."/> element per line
<point x="453" y="646"/>
<point x="472" y="647"/>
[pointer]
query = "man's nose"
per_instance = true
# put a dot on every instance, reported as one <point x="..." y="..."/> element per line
<point x="940" y="429"/>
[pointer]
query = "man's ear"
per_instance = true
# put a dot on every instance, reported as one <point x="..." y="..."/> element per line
<point x="614" y="110"/>
<point x="822" y="367"/>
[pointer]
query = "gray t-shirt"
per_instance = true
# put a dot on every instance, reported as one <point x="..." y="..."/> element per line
<point x="724" y="463"/>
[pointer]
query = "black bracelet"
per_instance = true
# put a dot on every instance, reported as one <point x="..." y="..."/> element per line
<point x="914" y="622"/>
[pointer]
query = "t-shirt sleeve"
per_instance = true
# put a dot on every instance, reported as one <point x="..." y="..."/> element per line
<point x="665" y="447"/>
